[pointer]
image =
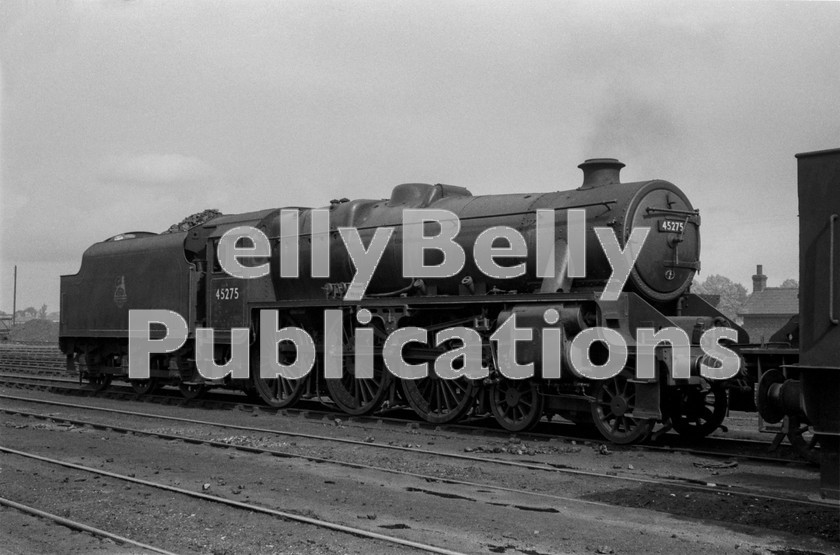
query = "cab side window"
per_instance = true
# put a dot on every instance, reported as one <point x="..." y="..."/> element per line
<point x="241" y="243"/>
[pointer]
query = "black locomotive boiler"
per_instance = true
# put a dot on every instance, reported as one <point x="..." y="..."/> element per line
<point x="181" y="272"/>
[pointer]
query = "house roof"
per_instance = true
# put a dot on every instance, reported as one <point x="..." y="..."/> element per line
<point x="772" y="300"/>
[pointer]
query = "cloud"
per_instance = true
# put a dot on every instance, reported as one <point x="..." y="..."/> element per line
<point x="12" y="202"/>
<point x="52" y="214"/>
<point x="156" y="169"/>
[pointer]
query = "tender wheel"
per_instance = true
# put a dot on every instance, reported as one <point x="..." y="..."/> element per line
<point x="803" y="440"/>
<point x="440" y="401"/>
<point x="144" y="387"/>
<point x="192" y="390"/>
<point x="516" y="404"/>
<point x="98" y="382"/>
<point x="89" y="366"/>
<point x="614" y="402"/>
<point x="359" y="396"/>
<point x="698" y="410"/>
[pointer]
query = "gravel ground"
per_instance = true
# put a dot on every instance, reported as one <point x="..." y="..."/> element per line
<point x="26" y="534"/>
<point x="636" y="518"/>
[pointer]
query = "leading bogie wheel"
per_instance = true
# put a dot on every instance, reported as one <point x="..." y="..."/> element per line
<point x="612" y="409"/>
<point x="517" y="405"/>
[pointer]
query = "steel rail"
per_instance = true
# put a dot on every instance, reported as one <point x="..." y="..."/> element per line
<point x="310" y="458"/>
<point x="549" y="467"/>
<point x="79" y="526"/>
<point x="463" y="426"/>
<point x="240" y="505"/>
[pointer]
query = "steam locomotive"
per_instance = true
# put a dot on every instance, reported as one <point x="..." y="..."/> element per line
<point x="182" y="272"/>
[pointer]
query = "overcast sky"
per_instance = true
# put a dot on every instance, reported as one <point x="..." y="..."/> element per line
<point x="131" y="115"/>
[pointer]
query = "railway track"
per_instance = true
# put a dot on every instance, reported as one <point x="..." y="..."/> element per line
<point x="551" y="515"/>
<point x="517" y="464"/>
<point x="283" y="514"/>
<point x="47" y="357"/>
<point x="430" y="470"/>
<point x="743" y="449"/>
<point x="80" y="526"/>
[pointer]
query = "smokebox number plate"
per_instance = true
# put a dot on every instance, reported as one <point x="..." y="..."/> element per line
<point x="672" y="226"/>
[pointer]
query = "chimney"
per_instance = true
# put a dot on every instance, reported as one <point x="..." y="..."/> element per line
<point x="600" y="171"/>
<point x="759" y="279"/>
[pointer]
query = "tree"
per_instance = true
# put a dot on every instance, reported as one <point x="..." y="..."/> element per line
<point x="28" y="312"/>
<point x="790" y="283"/>
<point x="732" y="295"/>
<point x="42" y="314"/>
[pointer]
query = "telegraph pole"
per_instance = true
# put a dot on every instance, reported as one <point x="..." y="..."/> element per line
<point x="14" y="298"/>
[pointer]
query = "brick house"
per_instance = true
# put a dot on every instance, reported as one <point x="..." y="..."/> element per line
<point x="768" y="308"/>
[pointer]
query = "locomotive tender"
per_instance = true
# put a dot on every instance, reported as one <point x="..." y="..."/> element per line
<point x="181" y="272"/>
